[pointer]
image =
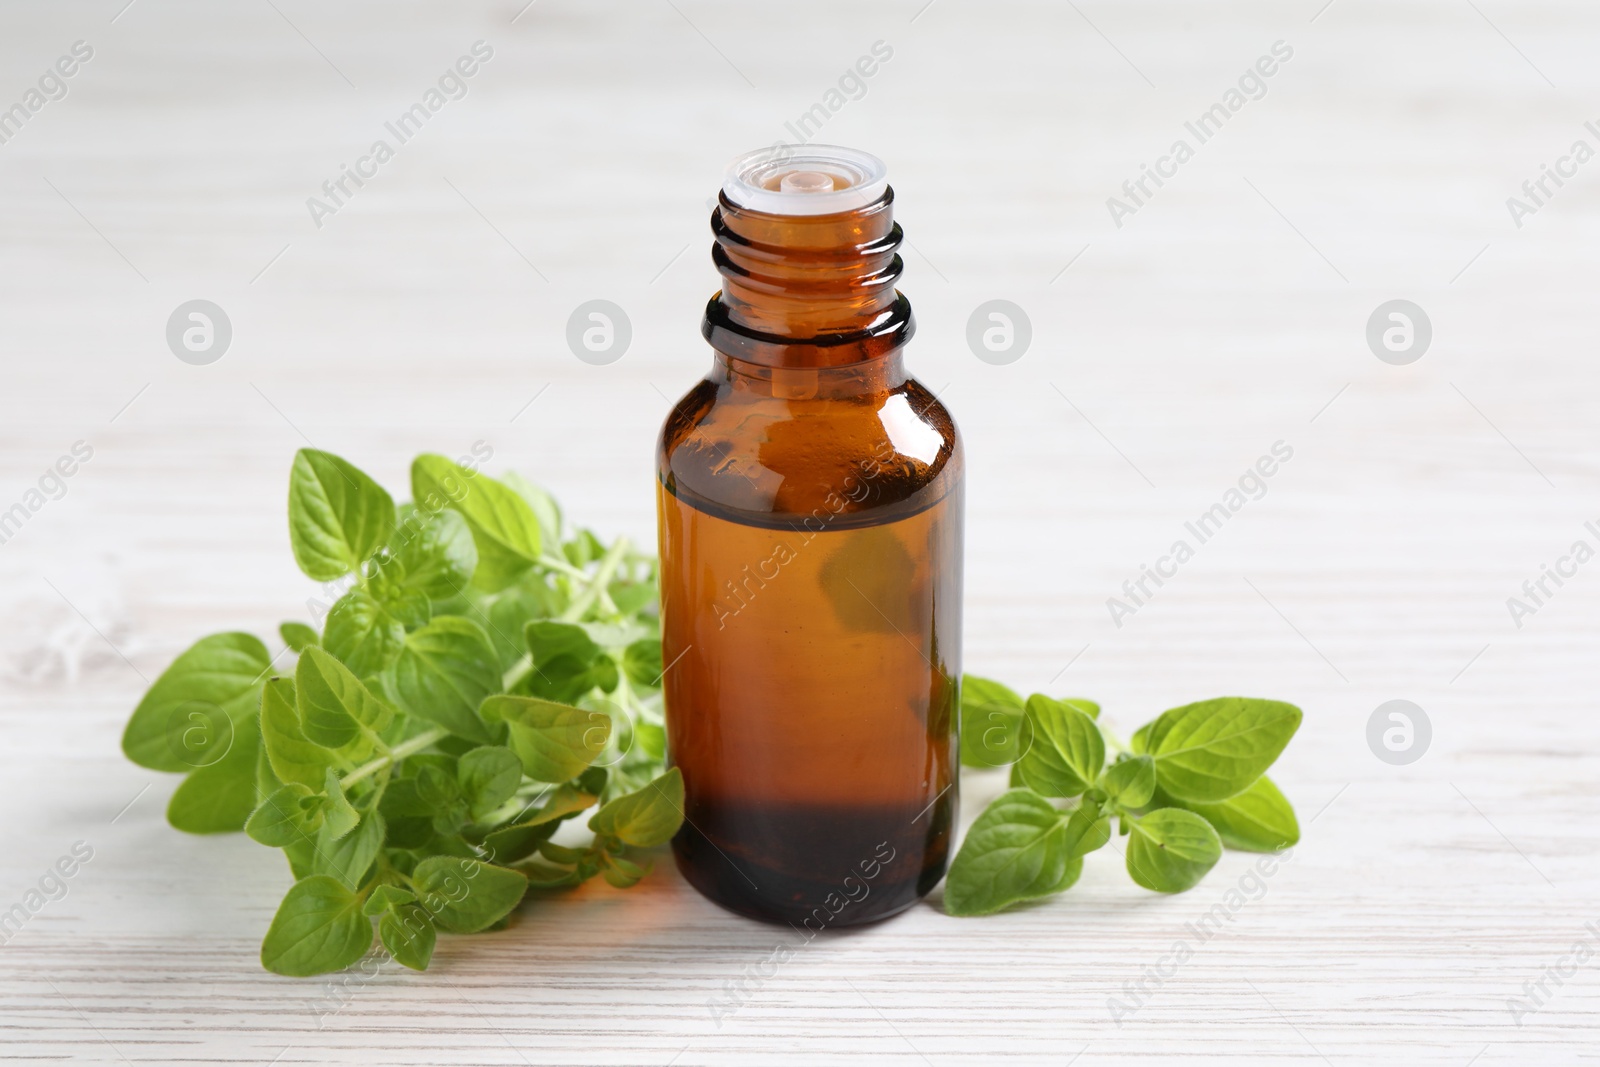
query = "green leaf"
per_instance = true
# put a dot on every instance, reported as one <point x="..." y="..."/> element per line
<point x="293" y="757"/>
<point x="1130" y="782"/>
<point x="186" y="719"/>
<point x="1170" y="850"/>
<point x="1016" y="850"/>
<point x="408" y="935"/>
<point x="641" y="662"/>
<point x="567" y="661"/>
<point x="219" y="797"/>
<point x="318" y="928"/>
<point x="363" y="634"/>
<point x="624" y="874"/>
<point x="281" y="819"/>
<point x="992" y="723"/>
<point x="435" y="556"/>
<point x="1260" y="819"/>
<point x="646" y="818"/>
<point x="1140" y="741"/>
<point x="1213" y="749"/>
<point x="466" y="895"/>
<point x="554" y="741"/>
<point x="338" y="517"/>
<point x="1088" y="828"/>
<point x="519" y="840"/>
<point x="544" y="506"/>
<point x="334" y="705"/>
<point x="489" y="777"/>
<point x="504" y="528"/>
<point x="443" y="673"/>
<point x="384" y="897"/>
<point x="340" y="817"/>
<point x="1067" y="751"/>
<point x="349" y="857"/>
<point x="512" y="610"/>
<point x="297" y="635"/>
<point x="544" y="876"/>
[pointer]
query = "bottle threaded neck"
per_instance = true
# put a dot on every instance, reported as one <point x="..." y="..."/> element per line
<point x="805" y="287"/>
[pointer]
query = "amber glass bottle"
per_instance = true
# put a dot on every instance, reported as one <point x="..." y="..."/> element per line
<point x="810" y="534"/>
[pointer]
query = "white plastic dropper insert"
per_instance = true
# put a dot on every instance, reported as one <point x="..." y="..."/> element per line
<point x="814" y="179"/>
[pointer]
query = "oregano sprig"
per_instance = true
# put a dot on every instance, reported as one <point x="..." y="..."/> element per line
<point x="1188" y="783"/>
<point x="487" y="675"/>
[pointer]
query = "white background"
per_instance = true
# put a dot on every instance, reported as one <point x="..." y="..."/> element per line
<point x="1227" y="314"/>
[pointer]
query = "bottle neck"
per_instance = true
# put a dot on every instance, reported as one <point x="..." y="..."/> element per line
<point x="807" y="292"/>
<point x="806" y="381"/>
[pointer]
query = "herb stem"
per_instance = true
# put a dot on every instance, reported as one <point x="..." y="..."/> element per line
<point x="396" y="754"/>
<point x="598" y="582"/>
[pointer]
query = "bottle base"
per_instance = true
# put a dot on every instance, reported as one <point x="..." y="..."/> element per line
<point x="882" y="882"/>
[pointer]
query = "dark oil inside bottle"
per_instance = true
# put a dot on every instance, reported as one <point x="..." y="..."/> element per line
<point x="810" y="510"/>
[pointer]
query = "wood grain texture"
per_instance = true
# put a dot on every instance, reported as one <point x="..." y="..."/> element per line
<point x="1226" y="314"/>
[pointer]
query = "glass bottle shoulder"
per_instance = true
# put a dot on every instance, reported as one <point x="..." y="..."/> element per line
<point x="800" y="442"/>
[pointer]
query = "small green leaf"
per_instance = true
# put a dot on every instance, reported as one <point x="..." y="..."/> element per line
<point x="293" y="758"/>
<point x="1130" y="782"/>
<point x="1210" y="750"/>
<point x="544" y="506"/>
<point x="408" y="935"/>
<point x="992" y="723"/>
<point x="641" y="662"/>
<point x="1067" y="750"/>
<point x="554" y="741"/>
<point x="624" y="874"/>
<point x="340" y="817"/>
<point x="363" y="634"/>
<point x="1260" y="819"/>
<point x="338" y="517"/>
<point x="1016" y="850"/>
<point x="1087" y="828"/>
<point x="511" y="610"/>
<point x="489" y="777"/>
<point x="334" y="705"/>
<point x="384" y="897"/>
<point x="318" y="928"/>
<point x="178" y="724"/>
<point x="646" y="818"/>
<point x="281" y="819"/>
<point x="219" y="797"/>
<point x="466" y="895"/>
<point x="297" y="635"/>
<point x="434" y="556"/>
<point x="1170" y="850"/>
<point x="567" y="661"/>
<point x="443" y="673"/>
<point x="519" y="840"/>
<point x="544" y="876"/>
<point x="350" y="857"/>
<point x="504" y="528"/>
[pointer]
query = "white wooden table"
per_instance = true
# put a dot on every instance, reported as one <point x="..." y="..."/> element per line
<point x="1224" y="315"/>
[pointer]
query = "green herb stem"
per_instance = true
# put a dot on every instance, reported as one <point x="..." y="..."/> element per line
<point x="598" y="582"/>
<point x="396" y="754"/>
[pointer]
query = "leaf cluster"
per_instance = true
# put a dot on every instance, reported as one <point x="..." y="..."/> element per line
<point x="485" y="675"/>
<point x="1189" y="782"/>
